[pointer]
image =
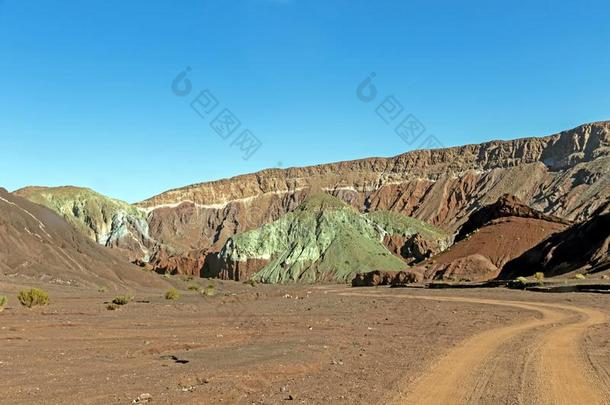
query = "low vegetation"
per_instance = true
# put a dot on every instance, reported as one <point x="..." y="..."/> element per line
<point x="33" y="297"/>
<point x="122" y="300"/>
<point x="518" y="283"/>
<point x="539" y="277"/>
<point x="112" y="307"/>
<point x="193" y="287"/>
<point x="3" y="302"/>
<point x="209" y="291"/>
<point x="580" y="277"/>
<point x="172" y="294"/>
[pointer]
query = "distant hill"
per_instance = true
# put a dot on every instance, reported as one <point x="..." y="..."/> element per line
<point x="37" y="244"/>
<point x="107" y="221"/>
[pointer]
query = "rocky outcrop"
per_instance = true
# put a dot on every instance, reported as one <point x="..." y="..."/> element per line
<point x="411" y="239"/>
<point x="190" y="264"/>
<point x="395" y="279"/>
<point x="415" y="248"/>
<point x="473" y="268"/>
<point x="583" y="248"/>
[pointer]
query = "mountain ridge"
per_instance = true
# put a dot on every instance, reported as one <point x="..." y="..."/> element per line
<point x="566" y="175"/>
<point x="519" y="144"/>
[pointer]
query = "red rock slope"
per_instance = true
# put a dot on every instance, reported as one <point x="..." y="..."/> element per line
<point x="583" y="248"/>
<point x="490" y="238"/>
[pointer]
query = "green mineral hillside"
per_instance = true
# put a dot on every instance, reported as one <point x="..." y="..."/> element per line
<point x="395" y="223"/>
<point x="323" y="239"/>
<point x="410" y="238"/>
<point x="107" y="221"/>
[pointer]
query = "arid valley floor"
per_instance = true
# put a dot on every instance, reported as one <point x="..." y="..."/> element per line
<point x="307" y="344"/>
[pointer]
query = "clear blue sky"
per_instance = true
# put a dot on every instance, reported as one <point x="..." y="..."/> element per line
<point x="85" y="87"/>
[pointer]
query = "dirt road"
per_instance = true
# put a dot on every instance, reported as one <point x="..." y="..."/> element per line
<point x="539" y="360"/>
<point x="306" y="344"/>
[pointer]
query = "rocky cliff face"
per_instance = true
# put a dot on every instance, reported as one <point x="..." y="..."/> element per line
<point x="565" y="175"/>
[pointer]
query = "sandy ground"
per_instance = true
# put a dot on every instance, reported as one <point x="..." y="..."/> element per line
<point x="307" y="344"/>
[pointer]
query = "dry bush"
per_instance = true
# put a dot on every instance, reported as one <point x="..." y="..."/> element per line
<point x="122" y="300"/>
<point x="172" y="294"/>
<point x="209" y="291"/>
<point x="33" y="297"/>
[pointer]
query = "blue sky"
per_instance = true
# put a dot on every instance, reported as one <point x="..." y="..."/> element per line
<point x="86" y="87"/>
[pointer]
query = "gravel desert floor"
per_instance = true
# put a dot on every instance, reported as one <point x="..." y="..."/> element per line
<point x="307" y="344"/>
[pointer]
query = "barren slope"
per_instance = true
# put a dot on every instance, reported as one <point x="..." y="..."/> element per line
<point x="37" y="244"/>
<point x="491" y="237"/>
<point x="584" y="247"/>
<point x="108" y="221"/>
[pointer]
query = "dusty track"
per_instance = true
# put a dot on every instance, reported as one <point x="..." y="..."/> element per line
<point x="537" y="361"/>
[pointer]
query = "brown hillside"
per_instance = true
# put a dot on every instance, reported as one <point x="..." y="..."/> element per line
<point x="36" y="244"/>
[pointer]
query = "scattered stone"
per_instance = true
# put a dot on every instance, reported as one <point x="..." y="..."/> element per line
<point x="142" y="398"/>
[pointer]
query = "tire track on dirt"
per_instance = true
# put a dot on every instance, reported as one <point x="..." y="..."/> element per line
<point x="562" y="373"/>
<point x="569" y="376"/>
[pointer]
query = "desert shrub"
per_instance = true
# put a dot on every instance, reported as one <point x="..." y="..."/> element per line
<point x="122" y="300"/>
<point x="250" y="282"/>
<point x="193" y="287"/>
<point x="580" y="277"/>
<point x="101" y="290"/>
<point x="209" y="291"/>
<point x="3" y="302"/>
<point x="186" y="279"/>
<point x="519" y="283"/>
<point x="539" y="277"/>
<point x="172" y="294"/>
<point x="112" y="307"/>
<point x="33" y="297"/>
